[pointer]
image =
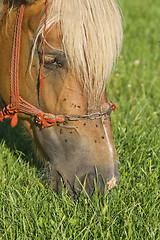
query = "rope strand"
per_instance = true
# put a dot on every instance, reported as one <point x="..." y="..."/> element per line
<point x="14" y="79"/>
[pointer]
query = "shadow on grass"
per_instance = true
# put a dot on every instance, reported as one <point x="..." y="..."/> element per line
<point x="19" y="141"/>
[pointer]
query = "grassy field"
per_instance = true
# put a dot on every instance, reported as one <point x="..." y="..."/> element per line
<point x="28" y="207"/>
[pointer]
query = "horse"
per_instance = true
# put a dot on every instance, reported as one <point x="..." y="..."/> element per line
<point x="56" y="57"/>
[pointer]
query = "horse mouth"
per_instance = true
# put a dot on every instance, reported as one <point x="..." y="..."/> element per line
<point x="88" y="183"/>
<point x="112" y="183"/>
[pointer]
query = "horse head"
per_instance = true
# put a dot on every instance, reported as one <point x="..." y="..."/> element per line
<point x="67" y="50"/>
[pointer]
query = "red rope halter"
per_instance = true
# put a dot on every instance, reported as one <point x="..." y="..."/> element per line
<point x="17" y="103"/>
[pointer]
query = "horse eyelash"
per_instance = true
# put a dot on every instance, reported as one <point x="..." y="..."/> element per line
<point x="50" y="60"/>
<point x="57" y="63"/>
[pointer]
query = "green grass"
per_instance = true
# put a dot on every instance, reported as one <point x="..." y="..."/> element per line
<point x="29" y="209"/>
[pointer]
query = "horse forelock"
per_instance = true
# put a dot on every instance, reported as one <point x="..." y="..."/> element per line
<point x="92" y="38"/>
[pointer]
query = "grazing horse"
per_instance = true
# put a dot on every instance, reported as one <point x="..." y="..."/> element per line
<point x="55" y="59"/>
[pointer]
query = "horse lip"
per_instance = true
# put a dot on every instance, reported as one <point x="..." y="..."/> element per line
<point x="111" y="183"/>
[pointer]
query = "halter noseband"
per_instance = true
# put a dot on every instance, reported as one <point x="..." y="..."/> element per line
<point x="18" y="104"/>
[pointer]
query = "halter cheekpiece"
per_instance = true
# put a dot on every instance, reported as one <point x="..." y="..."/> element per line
<point x="17" y="103"/>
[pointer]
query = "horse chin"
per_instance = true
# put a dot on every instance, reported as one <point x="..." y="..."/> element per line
<point x="87" y="183"/>
<point x="74" y="164"/>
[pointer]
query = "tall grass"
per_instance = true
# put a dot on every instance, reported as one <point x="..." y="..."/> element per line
<point x="29" y="209"/>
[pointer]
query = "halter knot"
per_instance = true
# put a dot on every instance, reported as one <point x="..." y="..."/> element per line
<point x="114" y="107"/>
<point x="48" y="120"/>
<point x="9" y="112"/>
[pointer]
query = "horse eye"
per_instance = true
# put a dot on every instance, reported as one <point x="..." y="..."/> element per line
<point x="57" y="63"/>
<point x="52" y="61"/>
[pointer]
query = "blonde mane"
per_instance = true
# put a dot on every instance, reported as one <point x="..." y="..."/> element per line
<point x="92" y="38"/>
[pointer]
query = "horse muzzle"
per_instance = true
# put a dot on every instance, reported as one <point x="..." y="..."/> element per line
<point x="76" y="162"/>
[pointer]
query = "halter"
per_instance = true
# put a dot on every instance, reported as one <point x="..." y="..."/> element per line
<point x="17" y="103"/>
